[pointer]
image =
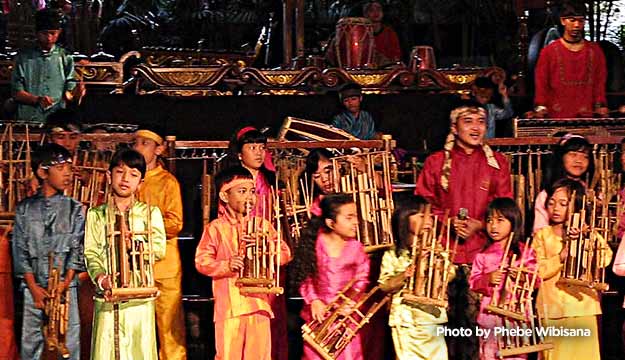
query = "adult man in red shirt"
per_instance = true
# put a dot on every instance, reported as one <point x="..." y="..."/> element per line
<point x="570" y="75"/>
<point x="466" y="174"/>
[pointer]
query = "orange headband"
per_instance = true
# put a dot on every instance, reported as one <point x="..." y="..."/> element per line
<point x="149" y="135"/>
<point x="236" y="182"/>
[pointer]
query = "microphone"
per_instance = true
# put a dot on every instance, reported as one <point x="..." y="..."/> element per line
<point x="463" y="214"/>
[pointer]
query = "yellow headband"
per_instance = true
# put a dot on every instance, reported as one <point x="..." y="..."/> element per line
<point x="236" y="182"/>
<point x="149" y="135"/>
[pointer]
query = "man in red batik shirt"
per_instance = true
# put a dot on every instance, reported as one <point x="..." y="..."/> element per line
<point x="465" y="174"/>
<point x="570" y="74"/>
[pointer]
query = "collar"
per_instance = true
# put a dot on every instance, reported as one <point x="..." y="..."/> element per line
<point x="47" y="53"/>
<point x="157" y="170"/>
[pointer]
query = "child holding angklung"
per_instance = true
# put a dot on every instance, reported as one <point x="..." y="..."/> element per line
<point x="242" y="328"/>
<point x="327" y="258"/>
<point x="413" y="327"/>
<point x="124" y="330"/>
<point x="503" y="217"/>
<point x="49" y="226"/>
<point x="564" y="305"/>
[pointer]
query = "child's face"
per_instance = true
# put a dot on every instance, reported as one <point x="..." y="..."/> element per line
<point x="575" y="163"/>
<point x="241" y="198"/>
<point x="66" y="139"/>
<point x="482" y="95"/>
<point x="558" y="206"/>
<point x="346" y="222"/>
<point x="253" y="155"/>
<point x="419" y="222"/>
<point x="323" y="176"/>
<point x="57" y="176"/>
<point x="125" y="180"/>
<point x="47" y="38"/>
<point x="352" y="104"/>
<point x="148" y="148"/>
<point x="498" y="227"/>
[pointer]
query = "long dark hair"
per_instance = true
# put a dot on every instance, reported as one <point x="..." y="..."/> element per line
<point x="568" y="143"/>
<point x="248" y="136"/>
<point x="571" y="186"/>
<point x="507" y="208"/>
<point x="312" y="165"/>
<point x="400" y="223"/>
<point x="305" y="259"/>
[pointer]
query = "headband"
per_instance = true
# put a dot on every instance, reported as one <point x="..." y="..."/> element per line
<point x="244" y="131"/>
<point x="235" y="182"/>
<point x="568" y="136"/>
<point x="68" y="128"/>
<point x="58" y="159"/>
<point x="148" y="134"/>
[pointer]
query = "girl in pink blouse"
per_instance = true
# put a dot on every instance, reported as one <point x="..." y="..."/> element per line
<point x="326" y="259"/>
<point x="502" y="217"/>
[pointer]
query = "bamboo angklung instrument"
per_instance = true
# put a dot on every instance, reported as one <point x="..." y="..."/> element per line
<point x="375" y="203"/>
<point x="89" y="185"/>
<point x="261" y="257"/>
<point x="293" y="215"/>
<point x="512" y="302"/>
<point x="56" y="315"/>
<point x="433" y="263"/>
<point x="586" y="259"/>
<point x="131" y="256"/>
<point x="349" y="312"/>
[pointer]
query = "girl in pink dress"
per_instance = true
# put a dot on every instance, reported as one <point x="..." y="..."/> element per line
<point x="326" y="259"/>
<point x="502" y="217"/>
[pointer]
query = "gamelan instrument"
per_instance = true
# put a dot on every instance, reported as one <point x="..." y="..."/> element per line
<point x="586" y="257"/>
<point x="358" y="175"/>
<point x="512" y="301"/>
<point x="354" y="43"/>
<point x="299" y="129"/>
<point x="349" y="312"/>
<point x="422" y="58"/>
<point x="433" y="264"/>
<point x="56" y="315"/>
<point x="131" y="256"/>
<point x="582" y="126"/>
<point x="261" y="257"/>
<point x="89" y="185"/>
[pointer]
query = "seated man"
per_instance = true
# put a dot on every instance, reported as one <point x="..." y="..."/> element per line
<point x="44" y="78"/>
<point x="354" y="120"/>
<point x="387" y="50"/>
<point x="570" y="75"/>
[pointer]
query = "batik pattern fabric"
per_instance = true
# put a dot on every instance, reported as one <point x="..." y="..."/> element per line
<point x="362" y="127"/>
<point x="135" y="334"/>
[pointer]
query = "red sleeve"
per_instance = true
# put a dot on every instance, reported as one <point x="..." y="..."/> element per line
<point x="503" y="187"/>
<point x="600" y="75"/>
<point x="393" y="45"/>
<point x="541" y="77"/>
<point x="479" y="280"/>
<point x="429" y="178"/>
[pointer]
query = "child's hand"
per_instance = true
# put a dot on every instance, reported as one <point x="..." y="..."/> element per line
<point x="317" y="310"/>
<point x="564" y="252"/>
<point x="248" y="238"/>
<point x="409" y="272"/>
<point x="503" y="90"/>
<point x="347" y="308"/>
<point x="39" y="296"/>
<point x="573" y="232"/>
<point x="495" y="277"/>
<point x="358" y="162"/>
<point x="236" y="263"/>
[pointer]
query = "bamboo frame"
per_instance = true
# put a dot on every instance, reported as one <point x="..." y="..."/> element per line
<point x="131" y="257"/>
<point x="56" y="310"/>
<point x="349" y="312"/>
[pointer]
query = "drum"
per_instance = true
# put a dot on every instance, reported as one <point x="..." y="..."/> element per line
<point x="354" y="43"/>
<point x="422" y="57"/>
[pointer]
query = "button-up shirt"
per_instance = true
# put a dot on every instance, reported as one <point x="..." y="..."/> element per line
<point x="45" y="225"/>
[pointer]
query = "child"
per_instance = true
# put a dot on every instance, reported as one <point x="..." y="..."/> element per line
<point x="130" y="324"/>
<point x="572" y="159"/>
<point x="570" y="307"/>
<point x="48" y="223"/>
<point x="318" y="171"/>
<point x="353" y="119"/>
<point x="483" y="90"/>
<point x="413" y="328"/>
<point x="242" y="329"/>
<point x="502" y="218"/>
<point x="326" y="259"/>
<point x="160" y="188"/>
<point x="63" y="128"/>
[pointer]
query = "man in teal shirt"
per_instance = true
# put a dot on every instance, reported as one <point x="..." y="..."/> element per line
<point x="44" y="78"/>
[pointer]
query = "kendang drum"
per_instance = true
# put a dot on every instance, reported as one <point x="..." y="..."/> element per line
<point x="354" y="43"/>
<point x="422" y="57"/>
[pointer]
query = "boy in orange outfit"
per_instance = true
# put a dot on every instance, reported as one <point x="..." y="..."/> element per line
<point x="161" y="189"/>
<point x="242" y="329"/>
